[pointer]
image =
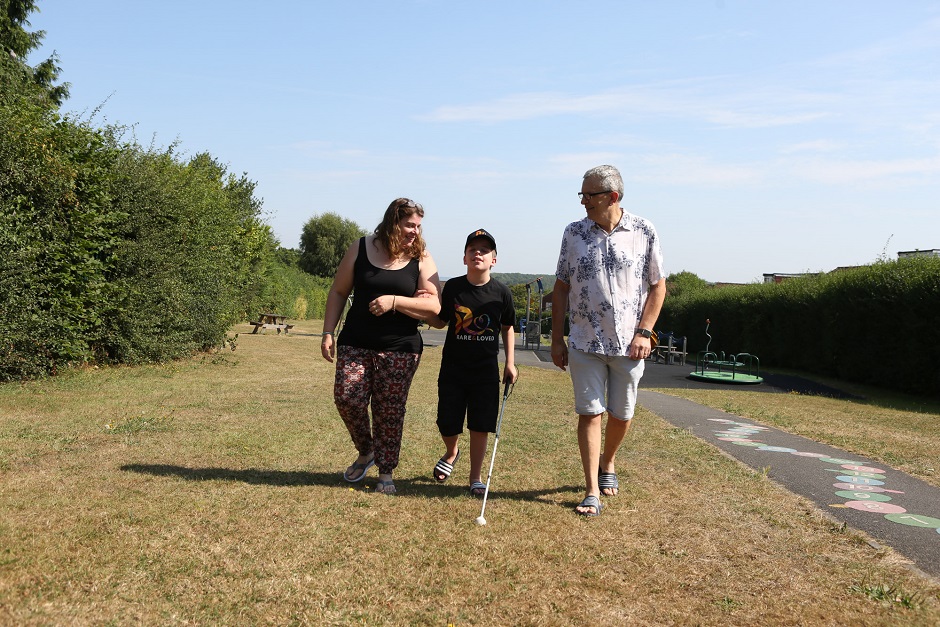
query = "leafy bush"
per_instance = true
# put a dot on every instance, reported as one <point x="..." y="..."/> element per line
<point x="291" y="291"/>
<point x="114" y="253"/>
<point x="189" y="247"/>
<point x="55" y="233"/>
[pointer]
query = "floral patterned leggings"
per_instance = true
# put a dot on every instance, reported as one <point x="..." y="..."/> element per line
<point x="384" y="378"/>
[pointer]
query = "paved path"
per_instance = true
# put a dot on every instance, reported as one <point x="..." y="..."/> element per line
<point x="892" y="507"/>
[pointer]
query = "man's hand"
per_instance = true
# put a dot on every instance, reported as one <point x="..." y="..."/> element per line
<point x="640" y="347"/>
<point x="559" y="353"/>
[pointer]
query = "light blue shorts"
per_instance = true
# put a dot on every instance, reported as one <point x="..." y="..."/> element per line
<point x="604" y="383"/>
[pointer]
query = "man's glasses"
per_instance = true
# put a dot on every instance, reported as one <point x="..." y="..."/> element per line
<point x="581" y="195"/>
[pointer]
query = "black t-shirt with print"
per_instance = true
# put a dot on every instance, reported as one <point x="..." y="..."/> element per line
<point x="475" y="314"/>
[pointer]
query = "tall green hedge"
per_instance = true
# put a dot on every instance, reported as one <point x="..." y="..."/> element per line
<point x="113" y="252"/>
<point x="56" y="237"/>
<point x="876" y="324"/>
<point x="189" y="248"/>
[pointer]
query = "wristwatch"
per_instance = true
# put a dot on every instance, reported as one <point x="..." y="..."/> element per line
<point x="644" y="332"/>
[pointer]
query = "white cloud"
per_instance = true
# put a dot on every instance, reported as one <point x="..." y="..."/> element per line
<point x="741" y="106"/>
<point x="873" y="171"/>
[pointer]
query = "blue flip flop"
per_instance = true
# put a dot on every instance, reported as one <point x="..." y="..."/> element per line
<point x="590" y="501"/>
<point x="361" y="468"/>
<point x="477" y="489"/>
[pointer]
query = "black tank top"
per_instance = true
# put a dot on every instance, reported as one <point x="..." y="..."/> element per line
<point x="391" y="331"/>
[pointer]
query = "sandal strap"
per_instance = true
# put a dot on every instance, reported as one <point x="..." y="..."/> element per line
<point x="444" y="468"/>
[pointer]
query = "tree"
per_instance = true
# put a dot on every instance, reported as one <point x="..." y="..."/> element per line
<point x="16" y="43"/>
<point x="324" y="241"/>
<point x="684" y="282"/>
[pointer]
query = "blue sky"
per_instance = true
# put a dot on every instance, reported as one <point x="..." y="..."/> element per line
<point x="758" y="137"/>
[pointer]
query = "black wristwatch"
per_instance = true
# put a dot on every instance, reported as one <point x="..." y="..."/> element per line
<point x="644" y="332"/>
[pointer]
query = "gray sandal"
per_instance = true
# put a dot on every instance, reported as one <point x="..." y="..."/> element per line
<point x="590" y="501"/>
<point x="385" y="487"/>
<point x="608" y="481"/>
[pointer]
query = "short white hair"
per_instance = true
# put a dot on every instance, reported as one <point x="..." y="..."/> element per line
<point x="609" y="177"/>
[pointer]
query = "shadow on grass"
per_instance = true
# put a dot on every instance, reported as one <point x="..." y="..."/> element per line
<point x="249" y="475"/>
<point x="406" y="487"/>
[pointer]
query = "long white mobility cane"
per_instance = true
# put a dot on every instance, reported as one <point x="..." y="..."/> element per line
<point x="499" y="423"/>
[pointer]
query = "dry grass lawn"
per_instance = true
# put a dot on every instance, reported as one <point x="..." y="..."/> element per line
<point x="208" y="492"/>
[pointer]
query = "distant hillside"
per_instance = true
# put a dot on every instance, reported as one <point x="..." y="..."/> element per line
<point x="515" y="278"/>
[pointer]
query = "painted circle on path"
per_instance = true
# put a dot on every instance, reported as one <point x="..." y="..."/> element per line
<point x="876" y="508"/>
<point x="857" y="495"/>
<point x="802" y="454"/>
<point x="747" y="443"/>
<point x="863" y="488"/>
<point x="836" y="460"/>
<point x="877" y="471"/>
<point x="853" y="473"/>
<point x="915" y="521"/>
<point x="859" y="480"/>
<point x="777" y="449"/>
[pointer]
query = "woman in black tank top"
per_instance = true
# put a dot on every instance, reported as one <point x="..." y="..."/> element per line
<point x="378" y="351"/>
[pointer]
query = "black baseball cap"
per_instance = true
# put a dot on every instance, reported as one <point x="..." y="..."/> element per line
<point x="480" y="233"/>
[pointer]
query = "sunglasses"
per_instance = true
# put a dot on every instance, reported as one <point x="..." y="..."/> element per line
<point x="406" y="202"/>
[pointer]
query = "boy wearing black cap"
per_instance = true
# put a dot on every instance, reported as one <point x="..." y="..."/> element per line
<point x="476" y="309"/>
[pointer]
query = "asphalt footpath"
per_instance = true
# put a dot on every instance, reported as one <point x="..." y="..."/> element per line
<point x="891" y="507"/>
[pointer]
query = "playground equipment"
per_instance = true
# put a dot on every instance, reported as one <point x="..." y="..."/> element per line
<point x="532" y="333"/>
<point x="742" y="368"/>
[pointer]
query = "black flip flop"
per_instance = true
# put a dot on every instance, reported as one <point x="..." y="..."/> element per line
<point x="445" y="468"/>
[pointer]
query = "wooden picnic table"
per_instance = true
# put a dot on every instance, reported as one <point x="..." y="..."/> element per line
<point x="271" y="321"/>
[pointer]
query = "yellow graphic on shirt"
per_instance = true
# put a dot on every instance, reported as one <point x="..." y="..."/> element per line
<point x="465" y="322"/>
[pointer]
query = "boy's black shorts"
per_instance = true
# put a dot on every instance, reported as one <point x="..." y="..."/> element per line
<point x="478" y="400"/>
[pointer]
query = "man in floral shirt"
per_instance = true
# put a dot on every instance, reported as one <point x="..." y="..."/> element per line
<point x="610" y="281"/>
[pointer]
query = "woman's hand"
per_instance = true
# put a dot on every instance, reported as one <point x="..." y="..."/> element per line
<point x="328" y="347"/>
<point x="382" y="305"/>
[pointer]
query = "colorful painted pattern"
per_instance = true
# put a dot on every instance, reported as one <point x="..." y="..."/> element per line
<point x="862" y="487"/>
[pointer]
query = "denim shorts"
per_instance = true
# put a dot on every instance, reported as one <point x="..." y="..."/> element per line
<point x="604" y="383"/>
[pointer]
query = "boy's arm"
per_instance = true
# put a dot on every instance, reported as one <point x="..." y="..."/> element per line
<point x="435" y="321"/>
<point x="510" y="373"/>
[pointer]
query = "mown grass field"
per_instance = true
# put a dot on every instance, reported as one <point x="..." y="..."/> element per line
<point x="209" y="492"/>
